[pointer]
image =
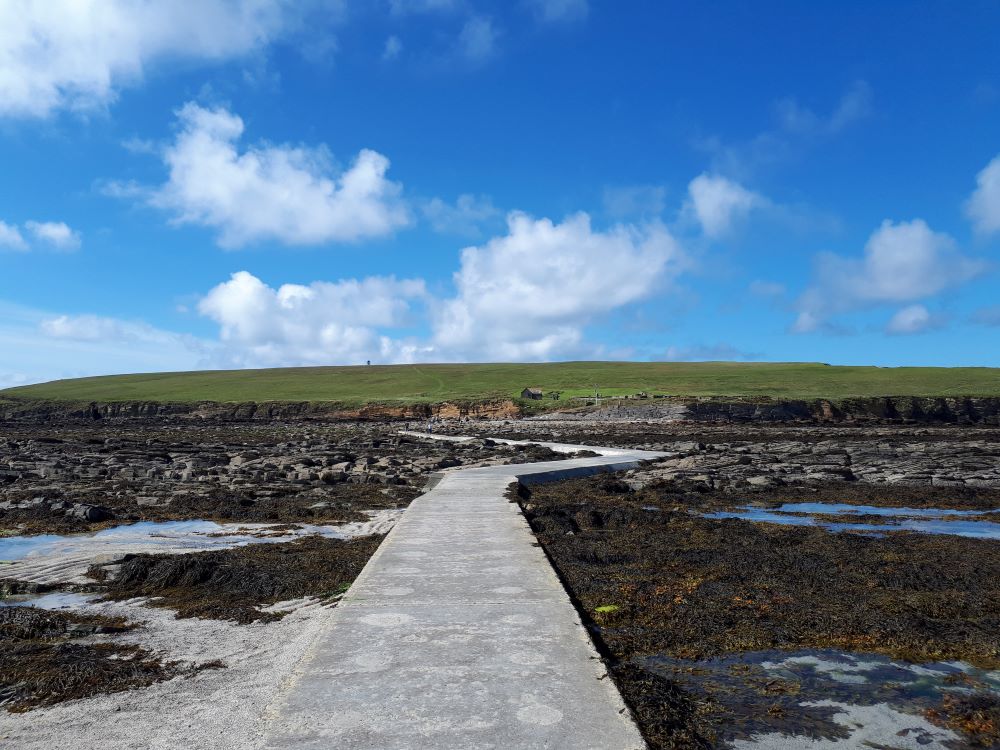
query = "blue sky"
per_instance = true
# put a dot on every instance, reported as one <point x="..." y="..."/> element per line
<point x="220" y="184"/>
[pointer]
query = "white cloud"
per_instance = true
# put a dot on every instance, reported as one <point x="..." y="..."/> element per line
<point x="393" y="48"/>
<point x="322" y="323"/>
<point x="529" y="293"/>
<point x="983" y="206"/>
<point x="478" y="39"/>
<point x="54" y="233"/>
<point x="560" y="10"/>
<point x="718" y="203"/>
<point x="911" y="319"/>
<point x="463" y="218"/>
<point x="41" y="345"/>
<point x="902" y="262"/>
<point x="97" y="328"/>
<point x="11" y="238"/>
<point x="525" y="295"/>
<point x="77" y="54"/>
<point x="634" y="200"/>
<point x="286" y="193"/>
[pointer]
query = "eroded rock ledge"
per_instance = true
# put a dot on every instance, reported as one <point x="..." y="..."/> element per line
<point x="874" y="410"/>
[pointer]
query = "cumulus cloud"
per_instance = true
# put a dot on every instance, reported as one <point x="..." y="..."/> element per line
<point x="902" y="262"/>
<point x="78" y="53"/>
<point x="54" y="233"/>
<point x="11" y="238"/>
<point x="291" y="194"/>
<point x="717" y="203"/>
<point x="911" y="319"/>
<point x="464" y="217"/>
<point x="529" y="294"/>
<point x="983" y="206"/>
<point x="550" y="11"/>
<point x="322" y="323"/>
<point x="477" y="41"/>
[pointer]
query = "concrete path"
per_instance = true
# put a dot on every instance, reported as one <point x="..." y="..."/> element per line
<point x="458" y="634"/>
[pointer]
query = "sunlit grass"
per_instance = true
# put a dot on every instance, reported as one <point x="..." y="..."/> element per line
<point x="402" y="384"/>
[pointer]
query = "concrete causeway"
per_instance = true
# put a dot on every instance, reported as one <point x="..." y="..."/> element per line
<point x="458" y="634"/>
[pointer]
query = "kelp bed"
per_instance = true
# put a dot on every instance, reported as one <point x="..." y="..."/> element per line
<point x="41" y="665"/>
<point x="685" y="608"/>
<point x="43" y="661"/>
<point x="238" y="584"/>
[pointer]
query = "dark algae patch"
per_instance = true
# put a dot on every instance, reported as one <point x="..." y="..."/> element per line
<point x="40" y="664"/>
<point x="235" y="584"/>
<point x="720" y="629"/>
<point x="976" y="716"/>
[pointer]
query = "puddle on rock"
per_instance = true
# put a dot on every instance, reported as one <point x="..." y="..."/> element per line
<point x="820" y="698"/>
<point x="921" y="520"/>
<point x="50" y="600"/>
<point x="51" y="560"/>
<point x="175" y="536"/>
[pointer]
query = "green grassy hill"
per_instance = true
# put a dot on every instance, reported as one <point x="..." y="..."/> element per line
<point x="404" y="384"/>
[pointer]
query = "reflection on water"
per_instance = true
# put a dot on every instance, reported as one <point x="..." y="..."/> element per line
<point x="52" y="600"/>
<point x="819" y="698"/>
<point x="152" y="536"/>
<point x="923" y="520"/>
<point x="875" y="510"/>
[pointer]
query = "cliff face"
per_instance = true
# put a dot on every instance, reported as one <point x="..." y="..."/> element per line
<point x="891" y="409"/>
<point x="250" y="411"/>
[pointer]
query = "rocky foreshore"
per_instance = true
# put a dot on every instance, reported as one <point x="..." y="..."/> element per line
<point x="77" y="478"/>
<point x="741" y="457"/>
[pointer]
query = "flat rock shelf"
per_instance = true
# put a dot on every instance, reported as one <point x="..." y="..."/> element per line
<point x="458" y="634"/>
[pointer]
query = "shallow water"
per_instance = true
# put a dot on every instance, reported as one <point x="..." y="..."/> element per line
<point x="154" y="535"/>
<point x="876" y="510"/>
<point x="844" y="699"/>
<point x="51" y="600"/>
<point x="921" y="520"/>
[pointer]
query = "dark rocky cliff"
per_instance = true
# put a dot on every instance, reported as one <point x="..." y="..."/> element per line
<point x="46" y="411"/>
<point x="889" y="409"/>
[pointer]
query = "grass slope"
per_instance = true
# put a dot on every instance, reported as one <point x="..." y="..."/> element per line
<point x="434" y="383"/>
